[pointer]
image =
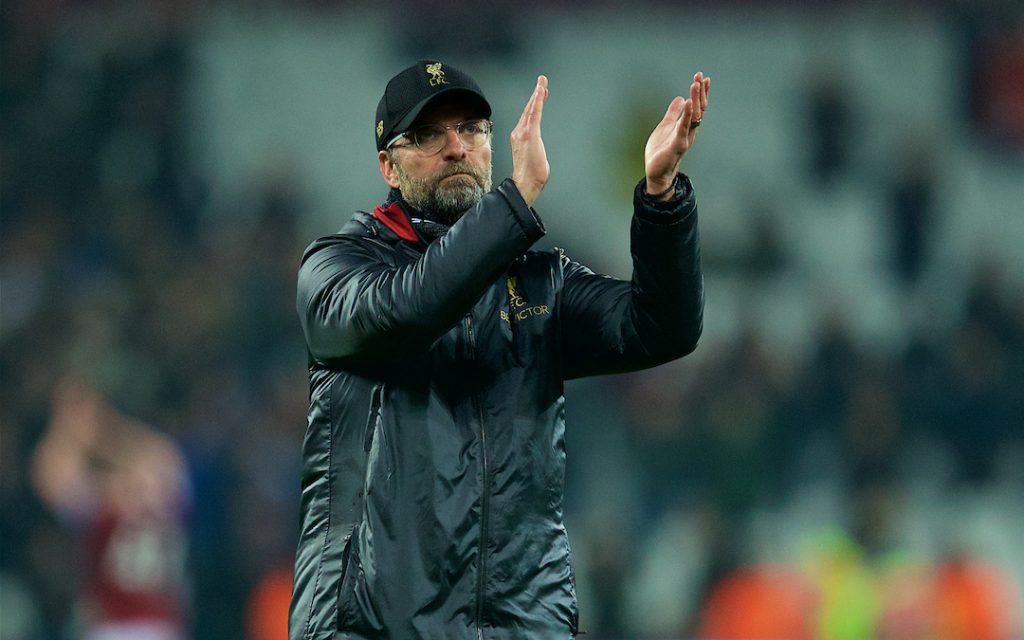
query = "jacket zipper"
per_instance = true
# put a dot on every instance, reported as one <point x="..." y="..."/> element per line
<point x="485" y="495"/>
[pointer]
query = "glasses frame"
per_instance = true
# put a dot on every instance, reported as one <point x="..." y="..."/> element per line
<point x="410" y="135"/>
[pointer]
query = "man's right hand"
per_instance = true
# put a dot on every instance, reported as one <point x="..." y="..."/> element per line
<point x="530" y="169"/>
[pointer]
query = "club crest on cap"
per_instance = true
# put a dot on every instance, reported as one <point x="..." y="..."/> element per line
<point x="436" y="75"/>
<point x="380" y="128"/>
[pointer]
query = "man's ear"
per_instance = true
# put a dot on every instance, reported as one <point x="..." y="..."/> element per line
<point x="387" y="169"/>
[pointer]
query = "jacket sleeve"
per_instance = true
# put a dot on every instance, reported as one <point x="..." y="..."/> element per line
<point x="612" y="326"/>
<point x="355" y="307"/>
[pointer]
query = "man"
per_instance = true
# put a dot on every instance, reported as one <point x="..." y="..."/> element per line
<point x="121" y="485"/>
<point x="438" y="345"/>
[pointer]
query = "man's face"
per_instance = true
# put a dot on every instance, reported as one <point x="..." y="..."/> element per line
<point x="448" y="182"/>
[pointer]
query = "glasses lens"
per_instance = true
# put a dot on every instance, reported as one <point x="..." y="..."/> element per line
<point x="430" y="137"/>
<point x="474" y="133"/>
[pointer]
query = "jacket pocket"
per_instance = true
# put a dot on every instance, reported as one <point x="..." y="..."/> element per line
<point x="346" y="594"/>
<point x="357" y="613"/>
<point x="373" y="415"/>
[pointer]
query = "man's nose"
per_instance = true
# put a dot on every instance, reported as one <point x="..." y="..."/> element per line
<point x="453" y="148"/>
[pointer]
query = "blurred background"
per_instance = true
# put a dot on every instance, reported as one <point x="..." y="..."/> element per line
<point x="843" y="457"/>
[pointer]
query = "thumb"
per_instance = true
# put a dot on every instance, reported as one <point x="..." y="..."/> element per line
<point x="675" y="109"/>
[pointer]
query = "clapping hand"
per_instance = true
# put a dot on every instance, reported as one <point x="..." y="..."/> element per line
<point x="674" y="136"/>
<point x="530" y="169"/>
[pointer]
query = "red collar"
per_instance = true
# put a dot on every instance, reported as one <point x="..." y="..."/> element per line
<point x="395" y="219"/>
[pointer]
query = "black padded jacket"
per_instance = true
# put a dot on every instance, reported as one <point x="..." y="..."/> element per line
<point x="434" y="457"/>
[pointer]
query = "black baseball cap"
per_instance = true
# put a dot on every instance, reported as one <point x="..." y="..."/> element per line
<point x="413" y="89"/>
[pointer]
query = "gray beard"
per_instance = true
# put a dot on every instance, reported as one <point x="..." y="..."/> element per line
<point x="446" y="202"/>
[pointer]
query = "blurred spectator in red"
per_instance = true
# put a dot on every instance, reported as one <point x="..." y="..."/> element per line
<point x="121" y="486"/>
<point x="758" y="602"/>
<point x="266" y="614"/>
<point x="975" y="601"/>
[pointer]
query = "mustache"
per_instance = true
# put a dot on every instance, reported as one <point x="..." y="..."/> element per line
<point x="460" y="167"/>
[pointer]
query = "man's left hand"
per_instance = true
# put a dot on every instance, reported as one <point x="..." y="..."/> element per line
<point x="674" y="136"/>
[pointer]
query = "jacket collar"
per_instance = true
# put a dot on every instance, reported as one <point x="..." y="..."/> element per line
<point x="406" y="222"/>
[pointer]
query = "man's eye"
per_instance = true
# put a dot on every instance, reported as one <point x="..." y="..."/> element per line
<point x="473" y="128"/>
<point x="426" y="135"/>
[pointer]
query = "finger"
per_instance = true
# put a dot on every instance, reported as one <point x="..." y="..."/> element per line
<point x="695" y="99"/>
<point x="528" y="109"/>
<point x="683" y="127"/>
<point x="707" y="89"/>
<point x="534" y="106"/>
<point x="542" y="96"/>
<point x="698" y="104"/>
<point x="702" y="103"/>
<point x="674" y="111"/>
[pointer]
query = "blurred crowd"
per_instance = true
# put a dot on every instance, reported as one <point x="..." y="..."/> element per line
<point x="112" y="278"/>
<point x="840" y="471"/>
<point x="119" y="285"/>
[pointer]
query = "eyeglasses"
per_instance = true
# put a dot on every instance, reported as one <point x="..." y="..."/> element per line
<point x="431" y="138"/>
